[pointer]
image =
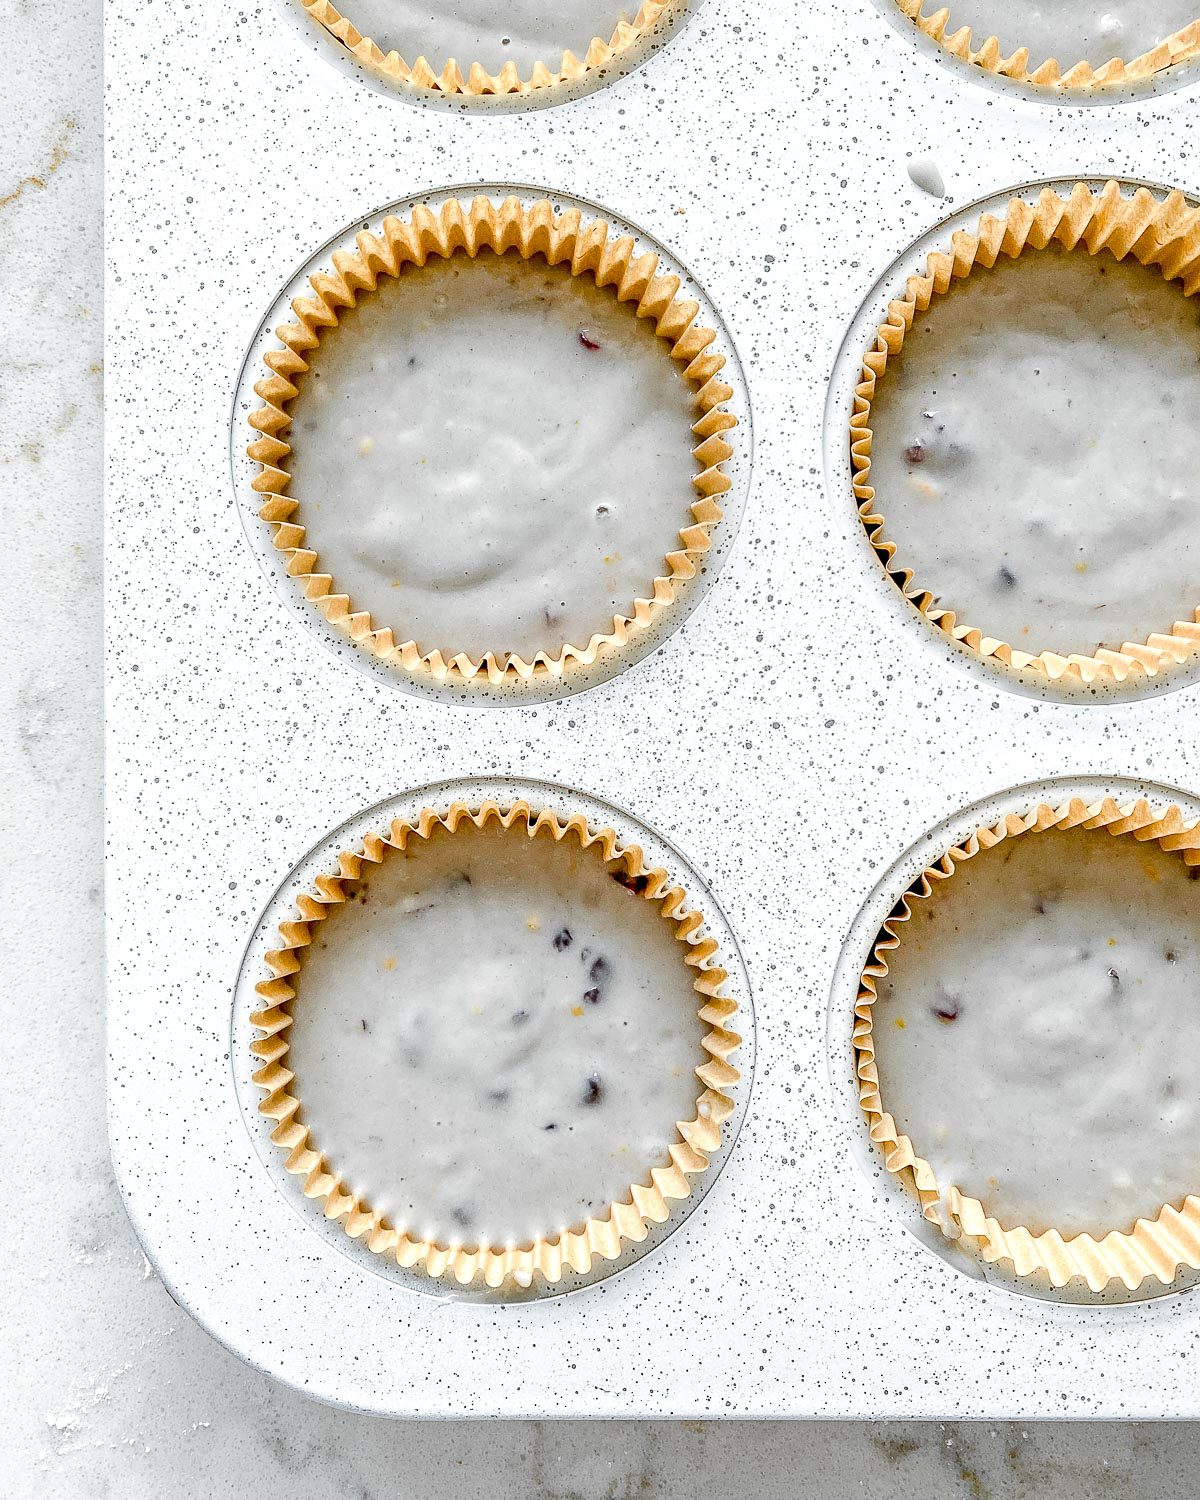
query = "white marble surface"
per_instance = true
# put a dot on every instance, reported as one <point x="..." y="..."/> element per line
<point x="107" y="1388"/>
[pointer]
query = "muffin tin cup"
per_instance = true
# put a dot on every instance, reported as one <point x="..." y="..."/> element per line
<point x="606" y="1243"/>
<point x="626" y="1221"/>
<point x="1160" y="1255"/>
<point x="471" y="79"/>
<point x="982" y="68"/>
<point x="592" y="244"/>
<point x="875" y="333"/>
<point x="588" y="249"/>
<point x="1164" y="233"/>
<point x="948" y="27"/>
<point x="1155" y="1248"/>
<point x="296" y="22"/>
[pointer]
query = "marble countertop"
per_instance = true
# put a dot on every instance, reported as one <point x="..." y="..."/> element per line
<point x="108" y="1387"/>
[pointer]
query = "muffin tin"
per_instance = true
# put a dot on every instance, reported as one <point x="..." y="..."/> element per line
<point x="793" y="737"/>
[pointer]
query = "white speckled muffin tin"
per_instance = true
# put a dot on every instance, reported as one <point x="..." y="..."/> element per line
<point x="794" y="738"/>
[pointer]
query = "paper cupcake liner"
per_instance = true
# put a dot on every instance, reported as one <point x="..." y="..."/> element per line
<point x="1157" y="232"/>
<point x="1157" y="1247"/>
<point x="941" y="28"/>
<point x="560" y="238"/>
<point x="477" y="80"/>
<point x="647" y="1201"/>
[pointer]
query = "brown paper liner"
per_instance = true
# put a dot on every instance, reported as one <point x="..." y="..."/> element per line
<point x="959" y="41"/>
<point x="647" y="1201"/>
<point x="1157" y="232"/>
<point x="560" y="238"/>
<point x="477" y="80"/>
<point x="1156" y="1247"/>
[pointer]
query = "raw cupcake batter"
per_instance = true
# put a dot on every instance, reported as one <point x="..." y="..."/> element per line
<point x="1038" y="1036"/>
<point x="1034" y="451"/>
<point x="498" y="1041"/>
<point x="1071" y="31"/>
<point x="491" y="32"/>
<point x="493" y="454"/>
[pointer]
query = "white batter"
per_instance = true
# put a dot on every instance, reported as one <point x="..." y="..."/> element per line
<point x="1038" y="1037"/>
<point x="491" y="32"/>
<point x="493" y="455"/>
<point x="1071" y="31"/>
<point x="1034" y="451"/>
<point x="498" y="1041"/>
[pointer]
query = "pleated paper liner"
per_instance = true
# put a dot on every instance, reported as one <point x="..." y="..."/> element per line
<point x="590" y="250"/>
<point x="647" y="1201"/>
<point x="942" y="26"/>
<point x="1157" y="232"/>
<point x="450" y="78"/>
<point x="1155" y="1248"/>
